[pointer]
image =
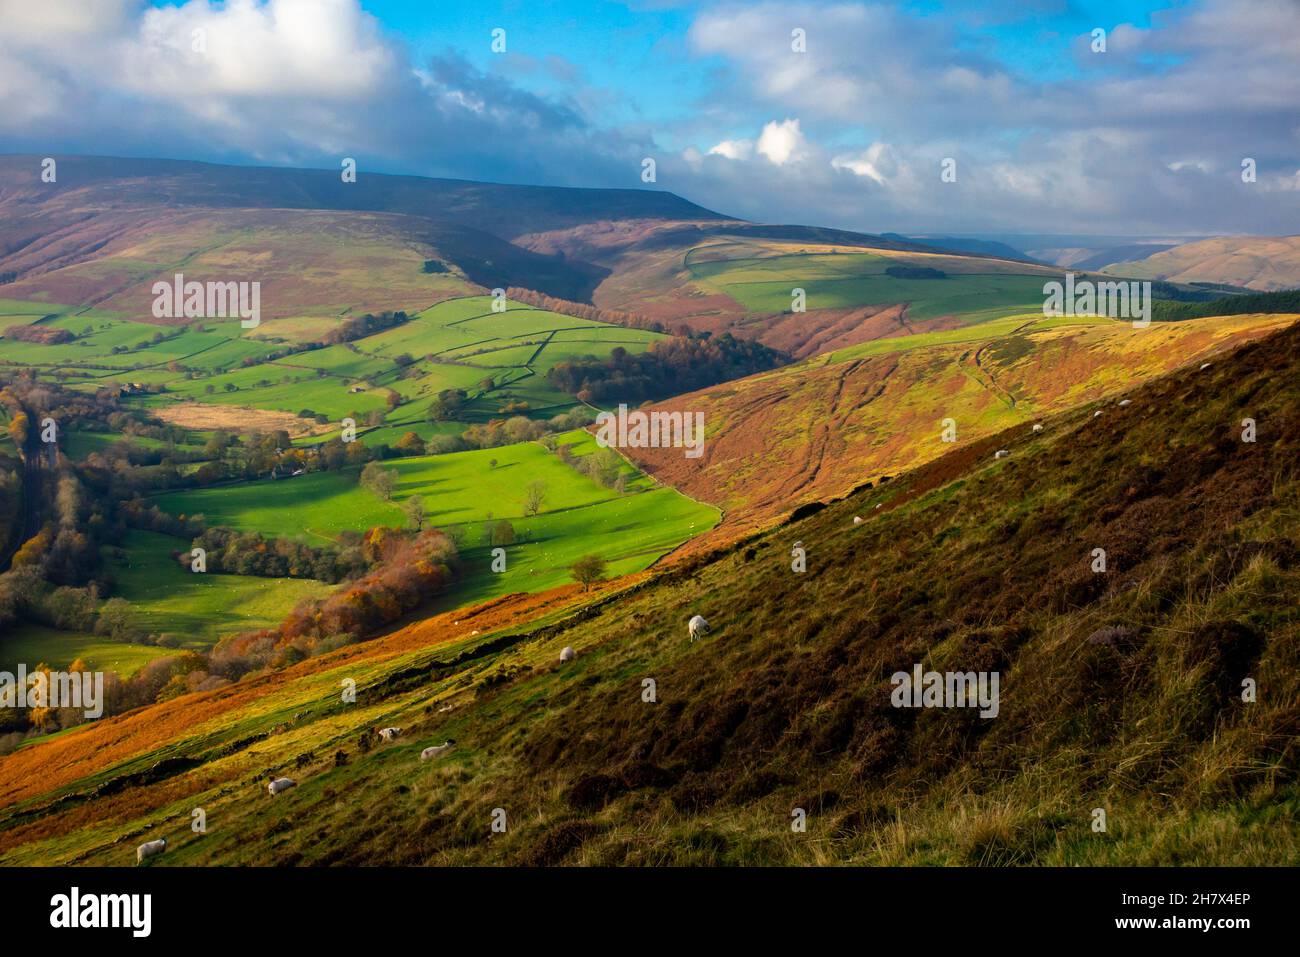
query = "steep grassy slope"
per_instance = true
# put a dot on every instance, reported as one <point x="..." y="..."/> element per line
<point x="1259" y="262"/>
<point x="1120" y="691"/>
<point x="822" y="426"/>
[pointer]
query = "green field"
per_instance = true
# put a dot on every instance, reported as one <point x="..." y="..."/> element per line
<point x="196" y="608"/>
<point x="463" y="491"/>
<point x="456" y="344"/>
<point x="35" y="644"/>
<point x="858" y="279"/>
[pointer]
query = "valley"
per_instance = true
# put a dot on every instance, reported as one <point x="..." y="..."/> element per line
<point x="394" y="484"/>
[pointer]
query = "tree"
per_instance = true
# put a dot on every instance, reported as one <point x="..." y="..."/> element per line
<point x="115" y="619"/>
<point x="534" y="496"/>
<point x="447" y="405"/>
<point x="217" y="445"/>
<point x="379" y="480"/>
<point x="414" y="509"/>
<point x="18" y="429"/>
<point x="588" y="570"/>
<point x="410" y="444"/>
<point x="503" y="533"/>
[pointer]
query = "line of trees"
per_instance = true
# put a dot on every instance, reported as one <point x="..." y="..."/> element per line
<point x="582" y="310"/>
<point x="670" y="367"/>
<point x="409" y="569"/>
<point x="358" y="327"/>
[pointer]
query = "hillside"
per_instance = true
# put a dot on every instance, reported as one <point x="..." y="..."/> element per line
<point x="1266" y="263"/>
<point x="108" y="227"/>
<point x="500" y="209"/>
<point x="1120" y="690"/>
<point x="818" y="428"/>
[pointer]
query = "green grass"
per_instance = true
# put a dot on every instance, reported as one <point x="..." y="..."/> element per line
<point x="35" y="644"/>
<point x="464" y="491"/>
<point x="858" y="279"/>
<point x="198" y="609"/>
<point x="467" y="341"/>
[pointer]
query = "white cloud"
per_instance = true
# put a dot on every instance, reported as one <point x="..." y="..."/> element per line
<point x="876" y="162"/>
<point x="1201" y="166"/>
<point x="733" y="149"/>
<point x="781" y="142"/>
<point x="322" y="48"/>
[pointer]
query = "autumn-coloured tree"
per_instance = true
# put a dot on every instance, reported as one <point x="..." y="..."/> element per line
<point x="410" y="444"/>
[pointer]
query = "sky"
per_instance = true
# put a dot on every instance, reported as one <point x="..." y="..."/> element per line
<point x="1122" y="117"/>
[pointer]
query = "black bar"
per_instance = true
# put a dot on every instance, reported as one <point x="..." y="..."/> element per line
<point x="330" y="906"/>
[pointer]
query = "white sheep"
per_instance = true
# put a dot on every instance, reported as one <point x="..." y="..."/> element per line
<point x="281" y="784"/>
<point x="390" y="734"/>
<point x="1204" y="366"/>
<point x="567" y="654"/>
<point x="857" y="519"/>
<point x="150" y="849"/>
<point x="1001" y="454"/>
<point x="697" y="626"/>
<point x="1038" y="426"/>
<point x="1124" y="402"/>
<point x="437" y="750"/>
<point x="1097" y="413"/>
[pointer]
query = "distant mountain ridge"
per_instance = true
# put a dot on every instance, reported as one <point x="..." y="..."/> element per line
<point x="1264" y="263"/>
<point x="502" y="209"/>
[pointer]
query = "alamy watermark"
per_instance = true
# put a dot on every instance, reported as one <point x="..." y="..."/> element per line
<point x="210" y="300"/>
<point x="1126" y="299"/>
<point x="946" y="689"/>
<point x="132" y="912"/>
<point x="53" y="689"/>
<point x="651" y="430"/>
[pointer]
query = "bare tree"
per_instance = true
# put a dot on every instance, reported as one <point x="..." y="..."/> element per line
<point x="534" y="496"/>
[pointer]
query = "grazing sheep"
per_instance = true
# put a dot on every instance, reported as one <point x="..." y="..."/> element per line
<point x="857" y="519"/>
<point x="390" y="734"/>
<point x="1038" y="426"/>
<point x="567" y="654"/>
<point x="697" y="626"/>
<point x="1124" y="402"/>
<point x="150" y="849"/>
<point x="281" y="784"/>
<point x="437" y="750"/>
<point x="1097" y="413"/>
<point x="1001" y="454"/>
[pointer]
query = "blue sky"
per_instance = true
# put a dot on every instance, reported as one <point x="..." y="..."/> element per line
<point x="1045" y="133"/>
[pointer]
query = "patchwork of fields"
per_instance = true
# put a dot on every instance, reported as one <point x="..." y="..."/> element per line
<point x="457" y="344"/>
<point x="968" y="342"/>
<point x="212" y="375"/>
